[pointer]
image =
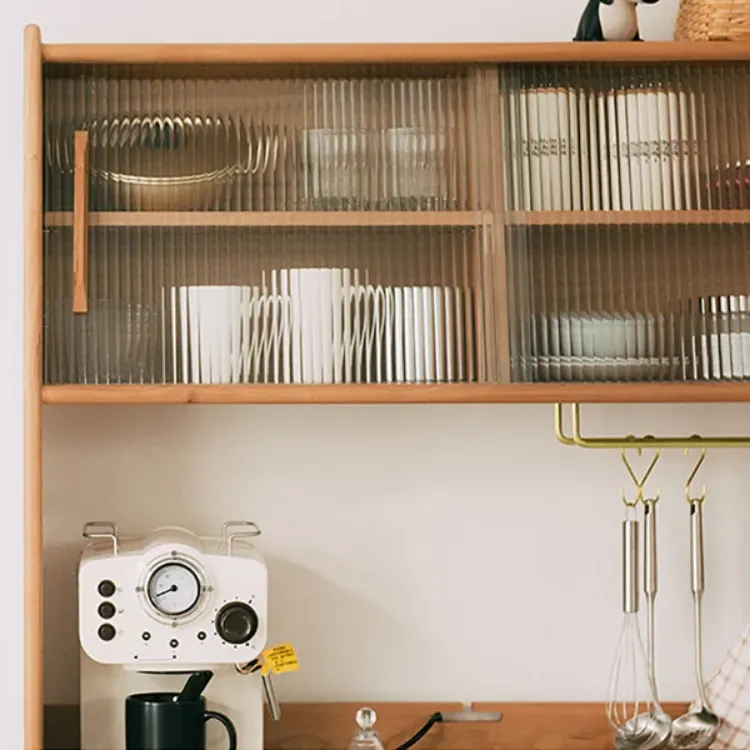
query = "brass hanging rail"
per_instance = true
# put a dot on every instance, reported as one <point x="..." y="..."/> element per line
<point x="633" y="441"/>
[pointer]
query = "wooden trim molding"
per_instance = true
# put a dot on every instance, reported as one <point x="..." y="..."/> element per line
<point x="81" y="222"/>
<point x="392" y="393"/>
<point x="330" y="726"/>
<point x="271" y="54"/>
<point x="32" y="400"/>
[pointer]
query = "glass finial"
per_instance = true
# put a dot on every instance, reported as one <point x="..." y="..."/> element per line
<point x="366" y="737"/>
<point x="366" y="718"/>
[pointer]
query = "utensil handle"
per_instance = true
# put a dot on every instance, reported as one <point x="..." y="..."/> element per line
<point x="650" y="575"/>
<point x="629" y="566"/>
<point x="697" y="582"/>
<point x="650" y="585"/>
<point x="228" y="725"/>
<point x="81" y="221"/>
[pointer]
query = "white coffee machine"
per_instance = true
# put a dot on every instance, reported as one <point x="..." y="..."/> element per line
<point x="152" y="609"/>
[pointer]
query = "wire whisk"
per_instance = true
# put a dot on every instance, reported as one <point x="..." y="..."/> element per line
<point x="632" y="706"/>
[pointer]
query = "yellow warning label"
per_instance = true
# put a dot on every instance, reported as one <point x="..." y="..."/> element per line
<point x="280" y="659"/>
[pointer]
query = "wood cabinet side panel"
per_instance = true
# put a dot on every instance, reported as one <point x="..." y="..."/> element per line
<point x="32" y="410"/>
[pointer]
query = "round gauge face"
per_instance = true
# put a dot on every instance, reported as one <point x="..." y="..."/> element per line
<point x="173" y="589"/>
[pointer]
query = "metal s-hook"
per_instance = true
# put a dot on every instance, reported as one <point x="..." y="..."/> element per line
<point x="639" y="483"/>
<point x="696" y="469"/>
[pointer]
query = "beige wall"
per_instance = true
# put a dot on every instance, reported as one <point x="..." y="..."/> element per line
<point x="454" y="552"/>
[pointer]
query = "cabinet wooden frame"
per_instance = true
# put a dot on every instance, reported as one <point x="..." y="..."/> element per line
<point x="488" y="222"/>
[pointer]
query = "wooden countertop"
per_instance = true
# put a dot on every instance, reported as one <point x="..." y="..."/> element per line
<point x="330" y="726"/>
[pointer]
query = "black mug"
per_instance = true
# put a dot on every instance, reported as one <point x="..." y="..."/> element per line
<point x="158" y="721"/>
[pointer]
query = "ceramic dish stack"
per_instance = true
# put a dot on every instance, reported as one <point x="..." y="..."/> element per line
<point x="612" y="147"/>
<point x="317" y="325"/>
<point x="302" y="325"/>
<point x="721" y="346"/>
<point x="174" y="162"/>
<point x="593" y="346"/>
<point x="426" y="334"/>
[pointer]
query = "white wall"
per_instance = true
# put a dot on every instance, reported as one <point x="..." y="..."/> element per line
<point x="415" y="552"/>
<point x="11" y="552"/>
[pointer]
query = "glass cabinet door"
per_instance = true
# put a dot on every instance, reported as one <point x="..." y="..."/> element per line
<point x="275" y="225"/>
<point x="627" y="197"/>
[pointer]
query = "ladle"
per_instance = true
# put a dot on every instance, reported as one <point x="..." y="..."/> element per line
<point x="696" y="730"/>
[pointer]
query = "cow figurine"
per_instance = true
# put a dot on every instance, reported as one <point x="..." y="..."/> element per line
<point x="609" y="21"/>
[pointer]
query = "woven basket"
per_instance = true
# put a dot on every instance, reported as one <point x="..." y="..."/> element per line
<point x="715" y="20"/>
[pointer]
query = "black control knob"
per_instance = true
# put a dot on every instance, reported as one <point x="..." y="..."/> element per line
<point x="106" y="610"/>
<point x="106" y="588"/>
<point x="236" y="622"/>
<point x="106" y="632"/>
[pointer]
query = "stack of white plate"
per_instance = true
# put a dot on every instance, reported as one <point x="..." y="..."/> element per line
<point x="722" y="348"/>
<point x="426" y="337"/>
<point x="627" y="148"/>
<point x="594" y="346"/>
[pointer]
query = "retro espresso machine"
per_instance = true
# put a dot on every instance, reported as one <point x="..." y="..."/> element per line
<point x="154" y="609"/>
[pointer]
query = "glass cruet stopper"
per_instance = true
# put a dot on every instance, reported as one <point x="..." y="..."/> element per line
<point x="366" y="737"/>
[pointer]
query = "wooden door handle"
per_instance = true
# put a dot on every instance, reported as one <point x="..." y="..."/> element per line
<point x="81" y="222"/>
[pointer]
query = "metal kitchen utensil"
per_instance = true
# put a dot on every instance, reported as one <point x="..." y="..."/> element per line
<point x="697" y="729"/>
<point x="631" y="703"/>
<point x="659" y="723"/>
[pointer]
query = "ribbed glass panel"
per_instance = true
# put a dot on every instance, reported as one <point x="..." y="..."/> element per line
<point x="626" y="200"/>
<point x="276" y="225"/>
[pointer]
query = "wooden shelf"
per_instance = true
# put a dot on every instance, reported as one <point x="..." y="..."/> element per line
<point x="606" y="218"/>
<point x="444" y="393"/>
<point x="273" y="218"/>
<point x="393" y="218"/>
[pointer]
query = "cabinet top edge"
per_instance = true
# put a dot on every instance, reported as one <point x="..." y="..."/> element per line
<point x="420" y="53"/>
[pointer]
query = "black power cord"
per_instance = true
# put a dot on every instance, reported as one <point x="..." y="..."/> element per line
<point x="436" y="718"/>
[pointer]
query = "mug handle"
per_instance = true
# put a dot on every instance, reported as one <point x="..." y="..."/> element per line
<point x="227" y="722"/>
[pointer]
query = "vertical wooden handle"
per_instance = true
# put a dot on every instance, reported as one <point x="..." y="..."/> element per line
<point x="81" y="222"/>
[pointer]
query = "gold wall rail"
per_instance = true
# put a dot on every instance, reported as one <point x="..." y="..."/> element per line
<point x="633" y="441"/>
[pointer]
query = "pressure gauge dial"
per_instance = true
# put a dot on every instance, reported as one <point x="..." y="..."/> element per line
<point x="173" y="589"/>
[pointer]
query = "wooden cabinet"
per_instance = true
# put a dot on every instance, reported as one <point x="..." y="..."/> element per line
<point x="379" y="223"/>
<point x="394" y="223"/>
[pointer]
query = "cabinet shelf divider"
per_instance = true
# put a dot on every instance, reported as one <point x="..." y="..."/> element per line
<point x="279" y="219"/>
